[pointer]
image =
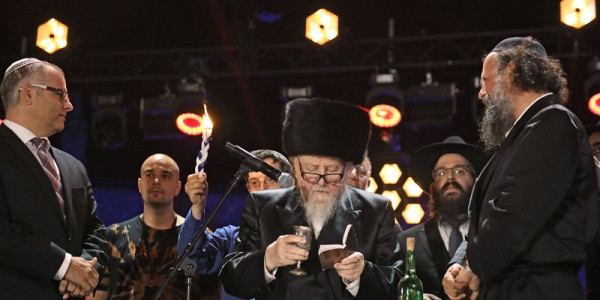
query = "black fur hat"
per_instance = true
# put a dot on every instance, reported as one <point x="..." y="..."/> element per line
<point x="327" y="128"/>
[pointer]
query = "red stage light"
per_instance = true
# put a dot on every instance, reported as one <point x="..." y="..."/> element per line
<point x="594" y="104"/>
<point x="385" y="116"/>
<point x="189" y="123"/>
<point x="1" y="121"/>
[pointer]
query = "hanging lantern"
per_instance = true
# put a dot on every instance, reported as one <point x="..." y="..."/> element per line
<point x="322" y="26"/>
<point x="577" y="13"/>
<point x="52" y="36"/>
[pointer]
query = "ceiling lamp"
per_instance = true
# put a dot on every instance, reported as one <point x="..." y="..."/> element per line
<point x="413" y="213"/>
<point x="322" y="26"/>
<point x="577" y="13"/>
<point x="52" y="36"/>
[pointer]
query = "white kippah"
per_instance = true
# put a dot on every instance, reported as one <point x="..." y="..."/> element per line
<point x="19" y="64"/>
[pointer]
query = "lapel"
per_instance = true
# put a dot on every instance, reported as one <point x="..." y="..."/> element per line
<point x="437" y="249"/>
<point x="31" y="164"/>
<point x="290" y="213"/>
<point x="487" y="174"/>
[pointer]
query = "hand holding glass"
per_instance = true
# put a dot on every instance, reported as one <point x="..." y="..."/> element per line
<point x="306" y="232"/>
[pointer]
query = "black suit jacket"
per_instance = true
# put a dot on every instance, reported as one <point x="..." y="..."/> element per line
<point x="431" y="255"/>
<point x="33" y="234"/>
<point x="534" y="207"/>
<point x="269" y="214"/>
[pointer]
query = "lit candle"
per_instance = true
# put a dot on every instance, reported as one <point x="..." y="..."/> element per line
<point x="206" y="137"/>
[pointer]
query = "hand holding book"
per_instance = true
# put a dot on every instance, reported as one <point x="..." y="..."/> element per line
<point x="330" y="254"/>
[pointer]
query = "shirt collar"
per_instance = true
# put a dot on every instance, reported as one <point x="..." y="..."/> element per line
<point x="24" y="134"/>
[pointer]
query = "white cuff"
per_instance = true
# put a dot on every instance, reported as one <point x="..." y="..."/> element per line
<point x="269" y="277"/>
<point x="353" y="286"/>
<point x="60" y="274"/>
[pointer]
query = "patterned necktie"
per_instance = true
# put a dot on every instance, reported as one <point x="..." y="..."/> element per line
<point x="43" y="146"/>
<point x="455" y="241"/>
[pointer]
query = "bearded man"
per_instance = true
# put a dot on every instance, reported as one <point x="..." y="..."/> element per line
<point x="535" y="205"/>
<point x="448" y="171"/>
<point x="324" y="140"/>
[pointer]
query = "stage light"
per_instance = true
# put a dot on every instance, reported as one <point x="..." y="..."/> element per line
<point x="109" y="122"/>
<point x="52" y="36"/>
<point x="411" y="188"/>
<point x="189" y="123"/>
<point x="594" y="104"/>
<point x="394" y="198"/>
<point x="413" y="213"/>
<point x="289" y="93"/>
<point x="322" y="26"/>
<point x="372" y="185"/>
<point x="2" y="121"/>
<point x="577" y="13"/>
<point x="385" y="101"/>
<point x="430" y="103"/>
<point x="159" y="116"/>
<point x="390" y="173"/>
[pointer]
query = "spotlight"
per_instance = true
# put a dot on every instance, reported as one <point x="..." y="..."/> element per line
<point x="431" y="103"/>
<point x="109" y="122"/>
<point x="385" y="101"/>
<point x="189" y="123"/>
<point x="592" y="87"/>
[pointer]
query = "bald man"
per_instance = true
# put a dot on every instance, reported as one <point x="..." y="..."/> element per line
<point x="145" y="247"/>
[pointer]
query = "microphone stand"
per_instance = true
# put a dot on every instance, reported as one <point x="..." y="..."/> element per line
<point x="188" y="265"/>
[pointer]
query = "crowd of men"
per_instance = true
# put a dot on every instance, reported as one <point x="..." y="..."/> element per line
<point x="514" y="219"/>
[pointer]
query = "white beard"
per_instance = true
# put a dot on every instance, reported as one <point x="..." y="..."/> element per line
<point x="320" y="207"/>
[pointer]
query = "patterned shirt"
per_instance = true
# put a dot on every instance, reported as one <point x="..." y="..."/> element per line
<point x="140" y="260"/>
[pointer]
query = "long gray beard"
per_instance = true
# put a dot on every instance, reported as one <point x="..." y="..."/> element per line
<point x="498" y="118"/>
<point x="318" y="213"/>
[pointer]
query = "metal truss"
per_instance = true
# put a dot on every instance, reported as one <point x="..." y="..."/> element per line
<point x="342" y="56"/>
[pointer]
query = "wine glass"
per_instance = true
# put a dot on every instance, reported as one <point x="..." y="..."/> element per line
<point x="306" y="232"/>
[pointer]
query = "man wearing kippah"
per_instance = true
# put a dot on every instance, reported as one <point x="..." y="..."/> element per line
<point x="48" y="249"/>
<point x="535" y="205"/>
<point x="324" y="140"/>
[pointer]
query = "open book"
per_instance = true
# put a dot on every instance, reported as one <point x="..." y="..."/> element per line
<point x="330" y="254"/>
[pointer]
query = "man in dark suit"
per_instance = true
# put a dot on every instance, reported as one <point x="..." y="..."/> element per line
<point x="324" y="140"/>
<point x="535" y="205"/>
<point x="47" y="211"/>
<point x="448" y="171"/>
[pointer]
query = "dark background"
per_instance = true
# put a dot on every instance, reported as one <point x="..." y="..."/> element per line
<point x="135" y="48"/>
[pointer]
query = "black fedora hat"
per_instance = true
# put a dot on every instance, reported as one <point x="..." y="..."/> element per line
<point x="424" y="159"/>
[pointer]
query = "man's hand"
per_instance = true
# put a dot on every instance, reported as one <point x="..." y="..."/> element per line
<point x="351" y="267"/>
<point x="460" y="284"/>
<point x="69" y="289"/>
<point x="283" y="252"/>
<point x="197" y="189"/>
<point x="82" y="274"/>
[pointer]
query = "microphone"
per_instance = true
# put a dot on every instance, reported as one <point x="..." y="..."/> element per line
<point x="255" y="164"/>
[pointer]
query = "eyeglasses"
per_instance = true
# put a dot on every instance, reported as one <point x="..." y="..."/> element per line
<point x="64" y="94"/>
<point x="255" y="183"/>
<point x="315" y="178"/>
<point x="362" y="171"/>
<point x="458" y="171"/>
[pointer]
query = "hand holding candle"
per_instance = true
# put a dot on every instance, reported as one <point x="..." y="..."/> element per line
<point x="206" y="138"/>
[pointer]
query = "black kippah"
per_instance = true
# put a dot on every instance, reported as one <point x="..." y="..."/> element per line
<point x="514" y="42"/>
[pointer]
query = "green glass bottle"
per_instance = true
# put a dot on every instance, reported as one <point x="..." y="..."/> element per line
<point x="410" y="286"/>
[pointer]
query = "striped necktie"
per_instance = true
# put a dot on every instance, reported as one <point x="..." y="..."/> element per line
<point x="43" y="146"/>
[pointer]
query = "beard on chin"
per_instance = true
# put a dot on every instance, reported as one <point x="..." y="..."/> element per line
<point x="451" y="209"/>
<point x="320" y="206"/>
<point x="498" y="117"/>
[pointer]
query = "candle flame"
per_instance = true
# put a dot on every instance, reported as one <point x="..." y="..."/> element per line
<point x="206" y="122"/>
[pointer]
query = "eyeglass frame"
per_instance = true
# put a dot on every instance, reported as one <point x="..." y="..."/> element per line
<point x="363" y="172"/>
<point x="63" y="94"/>
<point x="452" y="170"/>
<point x="302" y="173"/>
<point x="267" y="182"/>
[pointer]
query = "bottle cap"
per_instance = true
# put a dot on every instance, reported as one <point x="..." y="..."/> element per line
<point x="410" y="243"/>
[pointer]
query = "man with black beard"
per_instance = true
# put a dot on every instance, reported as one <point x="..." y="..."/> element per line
<point x="324" y="140"/>
<point x="535" y="205"/>
<point x="448" y="171"/>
